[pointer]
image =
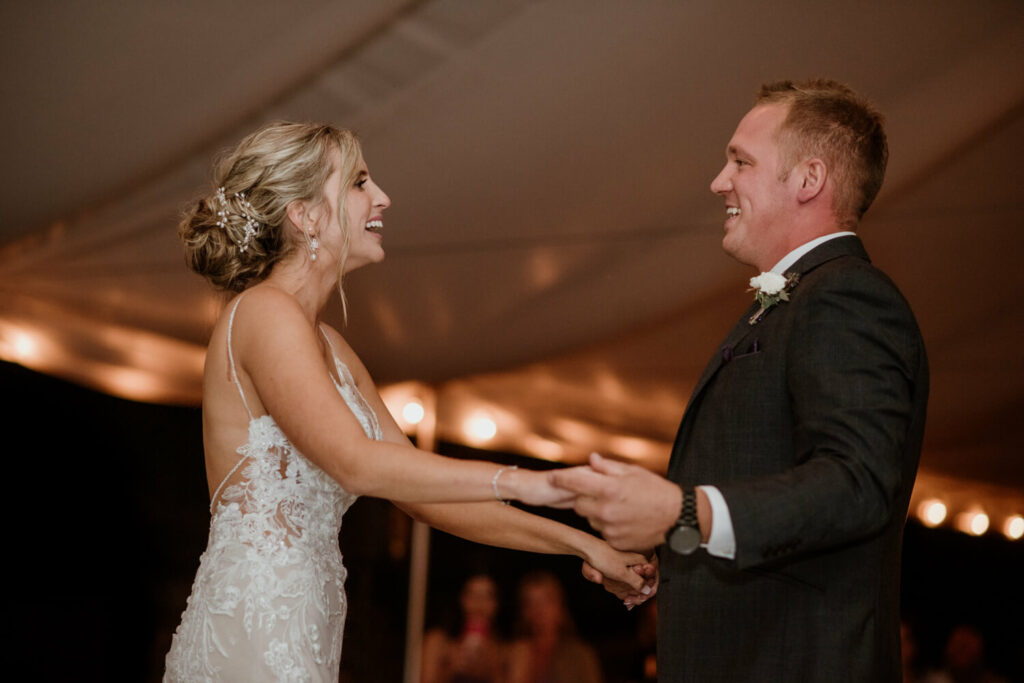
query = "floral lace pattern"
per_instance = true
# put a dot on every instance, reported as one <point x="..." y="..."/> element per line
<point x="268" y="601"/>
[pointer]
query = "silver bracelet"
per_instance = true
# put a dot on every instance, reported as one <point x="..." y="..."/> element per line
<point x="494" y="483"/>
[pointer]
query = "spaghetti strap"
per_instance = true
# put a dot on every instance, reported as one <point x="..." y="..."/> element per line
<point x="339" y="367"/>
<point x="231" y="356"/>
<point x="328" y="340"/>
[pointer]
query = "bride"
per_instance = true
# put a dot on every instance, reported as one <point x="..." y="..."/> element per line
<point x="294" y="429"/>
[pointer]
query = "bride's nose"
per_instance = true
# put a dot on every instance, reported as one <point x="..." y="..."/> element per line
<point x="381" y="200"/>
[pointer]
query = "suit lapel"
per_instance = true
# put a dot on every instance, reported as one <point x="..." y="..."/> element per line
<point x="832" y="249"/>
<point x="739" y="330"/>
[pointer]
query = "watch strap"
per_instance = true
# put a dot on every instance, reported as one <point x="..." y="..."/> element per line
<point x="688" y="513"/>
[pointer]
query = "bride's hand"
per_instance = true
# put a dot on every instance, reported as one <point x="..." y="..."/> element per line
<point x="628" y="573"/>
<point x="532" y="488"/>
<point x="630" y="596"/>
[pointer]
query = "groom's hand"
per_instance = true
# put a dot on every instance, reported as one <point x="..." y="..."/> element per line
<point x="631" y="507"/>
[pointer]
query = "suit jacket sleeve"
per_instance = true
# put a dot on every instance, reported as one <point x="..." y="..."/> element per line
<point x="854" y="360"/>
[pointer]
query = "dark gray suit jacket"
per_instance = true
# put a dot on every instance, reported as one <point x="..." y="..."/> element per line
<point x="810" y="423"/>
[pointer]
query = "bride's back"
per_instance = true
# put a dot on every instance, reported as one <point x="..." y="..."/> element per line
<point x="225" y="418"/>
<point x="268" y="601"/>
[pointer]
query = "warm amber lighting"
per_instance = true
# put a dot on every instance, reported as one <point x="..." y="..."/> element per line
<point x="481" y="428"/>
<point x="19" y="345"/>
<point x="408" y="402"/>
<point x="25" y="345"/>
<point x="132" y="383"/>
<point x="1013" y="528"/>
<point x="412" y="412"/>
<point x="544" y="448"/>
<point x="975" y="523"/>
<point x="627" y="446"/>
<point x="570" y="430"/>
<point x="931" y="512"/>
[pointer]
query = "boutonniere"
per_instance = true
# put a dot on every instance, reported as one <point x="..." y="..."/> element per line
<point x="771" y="288"/>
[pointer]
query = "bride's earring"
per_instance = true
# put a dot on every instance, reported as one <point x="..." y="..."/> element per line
<point x="314" y="246"/>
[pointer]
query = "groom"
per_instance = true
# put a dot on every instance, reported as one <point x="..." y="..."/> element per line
<point x="780" y="522"/>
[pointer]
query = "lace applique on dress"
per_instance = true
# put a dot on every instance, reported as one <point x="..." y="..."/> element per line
<point x="268" y="602"/>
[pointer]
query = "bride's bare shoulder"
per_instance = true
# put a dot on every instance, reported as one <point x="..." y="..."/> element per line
<point x="267" y="312"/>
<point x="267" y="300"/>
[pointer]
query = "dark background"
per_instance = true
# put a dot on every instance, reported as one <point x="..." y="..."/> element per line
<point x="110" y="515"/>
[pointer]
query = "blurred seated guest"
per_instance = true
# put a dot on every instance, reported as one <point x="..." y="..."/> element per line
<point x="965" y="659"/>
<point x="469" y="650"/>
<point x="548" y="649"/>
<point x="909" y="652"/>
<point x="631" y="656"/>
<point x="647" y="641"/>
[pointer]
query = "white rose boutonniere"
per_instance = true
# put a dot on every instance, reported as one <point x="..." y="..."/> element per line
<point x="770" y="289"/>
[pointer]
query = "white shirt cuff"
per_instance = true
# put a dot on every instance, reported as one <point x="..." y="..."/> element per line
<point x="722" y="539"/>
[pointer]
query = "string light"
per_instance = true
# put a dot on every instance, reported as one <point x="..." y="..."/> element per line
<point x="931" y="512"/>
<point x="18" y="345"/>
<point x="979" y="524"/>
<point x="25" y="346"/>
<point x="973" y="522"/>
<point x="481" y="428"/>
<point x="1013" y="528"/>
<point x="413" y="413"/>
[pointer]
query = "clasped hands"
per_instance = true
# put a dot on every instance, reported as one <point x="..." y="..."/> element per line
<point x="630" y="506"/>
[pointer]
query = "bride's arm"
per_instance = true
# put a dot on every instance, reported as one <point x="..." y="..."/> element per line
<point x="500" y="525"/>
<point x="278" y="350"/>
<point x="509" y="527"/>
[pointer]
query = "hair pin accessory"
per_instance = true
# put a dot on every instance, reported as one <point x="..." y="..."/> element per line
<point x="246" y="213"/>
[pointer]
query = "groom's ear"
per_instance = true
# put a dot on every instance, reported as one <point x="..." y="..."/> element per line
<point x="811" y="175"/>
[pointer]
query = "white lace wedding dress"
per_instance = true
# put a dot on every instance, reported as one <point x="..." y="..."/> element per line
<point x="268" y="602"/>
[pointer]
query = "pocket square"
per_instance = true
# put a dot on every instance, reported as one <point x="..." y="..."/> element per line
<point x="729" y="354"/>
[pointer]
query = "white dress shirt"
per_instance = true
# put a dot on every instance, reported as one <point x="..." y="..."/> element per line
<point x="722" y="539"/>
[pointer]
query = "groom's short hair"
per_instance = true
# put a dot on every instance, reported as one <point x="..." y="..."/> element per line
<point x="828" y="120"/>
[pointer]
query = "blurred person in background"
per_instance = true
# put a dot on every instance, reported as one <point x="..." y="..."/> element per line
<point x="548" y="650"/>
<point x="909" y="652"/>
<point x="964" y="658"/>
<point x="469" y="650"/>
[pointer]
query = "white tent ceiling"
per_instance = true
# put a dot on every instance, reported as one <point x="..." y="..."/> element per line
<point x="553" y="246"/>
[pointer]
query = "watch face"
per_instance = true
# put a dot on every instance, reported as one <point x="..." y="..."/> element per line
<point x="684" y="539"/>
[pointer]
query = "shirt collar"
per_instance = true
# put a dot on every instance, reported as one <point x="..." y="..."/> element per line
<point x="794" y="256"/>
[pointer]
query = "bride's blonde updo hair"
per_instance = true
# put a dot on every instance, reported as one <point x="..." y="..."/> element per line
<point x="236" y="234"/>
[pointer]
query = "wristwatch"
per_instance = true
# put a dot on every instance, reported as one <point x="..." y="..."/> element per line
<point x="685" y="536"/>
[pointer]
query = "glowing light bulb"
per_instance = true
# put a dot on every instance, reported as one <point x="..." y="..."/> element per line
<point x="1013" y="528"/>
<point x="18" y="345"/>
<point x="25" y="346"/>
<point x="931" y="512"/>
<point x="413" y="412"/>
<point x="974" y="522"/>
<point x="481" y="428"/>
